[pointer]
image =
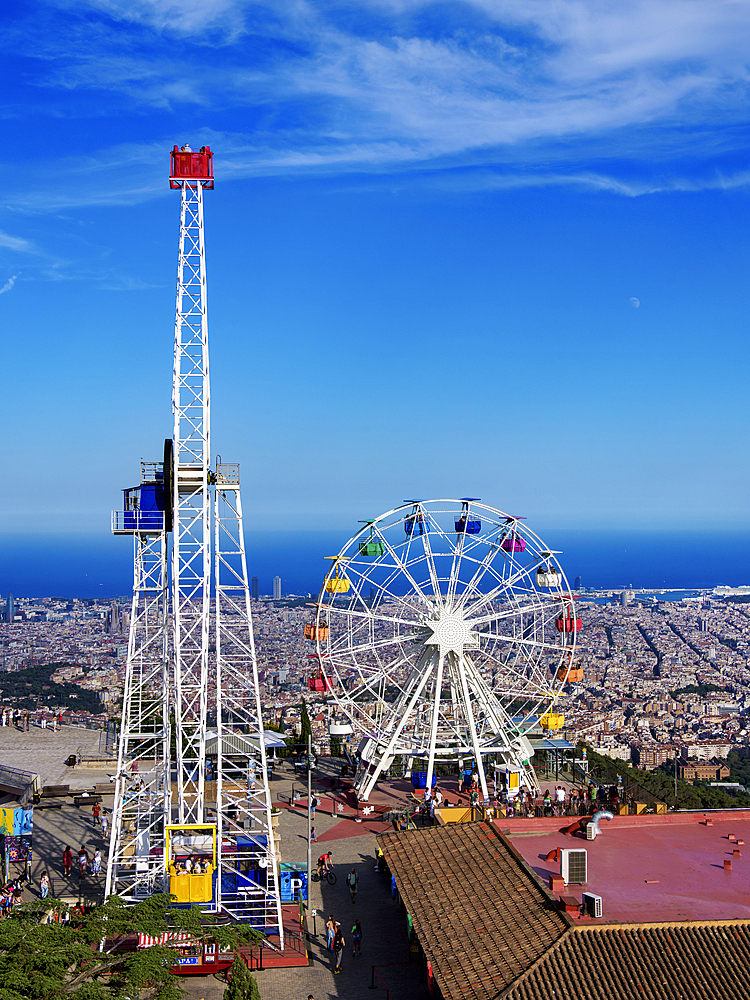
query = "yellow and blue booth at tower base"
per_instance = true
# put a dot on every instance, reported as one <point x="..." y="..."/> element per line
<point x="15" y="821"/>
<point x="188" y="845"/>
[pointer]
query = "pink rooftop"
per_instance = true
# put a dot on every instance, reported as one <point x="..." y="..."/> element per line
<point x="651" y="868"/>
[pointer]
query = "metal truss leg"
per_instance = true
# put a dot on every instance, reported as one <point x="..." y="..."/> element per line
<point x="248" y="874"/>
<point x="136" y="864"/>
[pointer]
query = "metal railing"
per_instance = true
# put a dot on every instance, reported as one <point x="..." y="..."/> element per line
<point x="26" y="782"/>
<point x="228" y="474"/>
<point x="147" y="521"/>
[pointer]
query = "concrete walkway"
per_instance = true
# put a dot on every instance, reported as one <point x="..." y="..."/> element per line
<point x="384" y="942"/>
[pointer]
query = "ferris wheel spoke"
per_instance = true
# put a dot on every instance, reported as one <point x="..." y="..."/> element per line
<point x="462" y="553"/>
<point x="504" y="585"/>
<point x="482" y="568"/>
<point x="455" y="570"/>
<point x="539" y="644"/>
<point x="401" y="564"/>
<point x="376" y="644"/>
<point x="535" y="685"/>
<point x="401" y="714"/>
<point x="550" y="608"/>
<point x="366" y="578"/>
<point x="427" y="546"/>
<point x="370" y="616"/>
<point x="385" y="675"/>
<point x="434" y="721"/>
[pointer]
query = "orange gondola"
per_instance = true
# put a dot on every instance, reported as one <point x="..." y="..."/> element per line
<point x="574" y="675"/>
<point x="317" y="632"/>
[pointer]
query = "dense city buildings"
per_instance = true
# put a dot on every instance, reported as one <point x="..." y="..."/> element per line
<point x="663" y="680"/>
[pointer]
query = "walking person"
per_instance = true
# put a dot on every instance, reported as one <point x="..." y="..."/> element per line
<point x="67" y="861"/>
<point x="338" y="949"/>
<point x="330" y="932"/>
<point x="95" y="810"/>
<point x="83" y="862"/>
<point x="44" y="884"/>
<point x="105" y="824"/>
<point x="96" y="866"/>
<point x="356" y="938"/>
<point x="352" y="880"/>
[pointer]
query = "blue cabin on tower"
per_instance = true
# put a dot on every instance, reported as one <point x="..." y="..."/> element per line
<point x="146" y="507"/>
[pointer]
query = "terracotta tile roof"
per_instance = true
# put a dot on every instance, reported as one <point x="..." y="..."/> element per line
<point x="481" y="915"/>
<point x="676" y="961"/>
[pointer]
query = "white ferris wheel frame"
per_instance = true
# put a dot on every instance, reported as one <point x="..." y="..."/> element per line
<point x="444" y="626"/>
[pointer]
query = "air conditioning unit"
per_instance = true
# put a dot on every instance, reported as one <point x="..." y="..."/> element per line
<point x="592" y="905"/>
<point x="591" y="831"/>
<point x="573" y="866"/>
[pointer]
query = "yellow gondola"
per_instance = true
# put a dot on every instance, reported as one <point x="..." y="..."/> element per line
<point x="551" y="720"/>
<point x="338" y="583"/>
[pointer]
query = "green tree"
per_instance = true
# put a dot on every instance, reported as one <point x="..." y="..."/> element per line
<point x="242" y="985"/>
<point x="39" y="960"/>
<point x="305" y="724"/>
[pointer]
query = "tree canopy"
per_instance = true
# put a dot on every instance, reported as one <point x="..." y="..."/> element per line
<point x="305" y="724"/>
<point x="40" y="959"/>
<point x="660" y="783"/>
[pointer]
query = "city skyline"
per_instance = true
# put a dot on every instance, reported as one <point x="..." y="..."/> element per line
<point x="492" y="250"/>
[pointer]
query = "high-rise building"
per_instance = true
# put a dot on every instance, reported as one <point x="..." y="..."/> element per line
<point x="577" y="584"/>
<point x="276" y="588"/>
<point x="10" y="609"/>
<point x="113" y="620"/>
<point x="254" y="585"/>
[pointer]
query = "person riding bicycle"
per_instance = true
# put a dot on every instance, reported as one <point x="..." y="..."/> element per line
<point x="324" y="864"/>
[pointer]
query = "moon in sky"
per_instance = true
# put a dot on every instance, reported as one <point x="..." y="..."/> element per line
<point x="635" y="302"/>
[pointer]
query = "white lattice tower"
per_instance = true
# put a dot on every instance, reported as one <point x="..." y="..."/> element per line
<point x="136" y="863"/>
<point x="243" y="801"/>
<point x="169" y="669"/>
<point x="191" y="554"/>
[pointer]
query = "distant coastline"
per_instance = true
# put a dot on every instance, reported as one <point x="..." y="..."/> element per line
<point x="101" y="566"/>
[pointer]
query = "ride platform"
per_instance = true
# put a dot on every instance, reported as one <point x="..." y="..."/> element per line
<point x="294" y="955"/>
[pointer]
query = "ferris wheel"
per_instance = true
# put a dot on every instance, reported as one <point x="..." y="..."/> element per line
<point x="445" y="629"/>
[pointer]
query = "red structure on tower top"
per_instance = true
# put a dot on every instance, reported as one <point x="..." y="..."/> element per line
<point x="190" y="166"/>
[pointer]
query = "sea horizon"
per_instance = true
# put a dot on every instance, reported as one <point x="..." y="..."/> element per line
<point x="101" y="566"/>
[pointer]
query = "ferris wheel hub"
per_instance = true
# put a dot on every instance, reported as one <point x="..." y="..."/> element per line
<point x="451" y="633"/>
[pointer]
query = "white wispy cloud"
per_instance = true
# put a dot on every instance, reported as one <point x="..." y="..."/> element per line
<point x="8" y="284"/>
<point x="16" y="243"/>
<point x="524" y="86"/>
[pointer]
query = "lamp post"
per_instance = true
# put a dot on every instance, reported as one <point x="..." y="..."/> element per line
<point x="309" y="816"/>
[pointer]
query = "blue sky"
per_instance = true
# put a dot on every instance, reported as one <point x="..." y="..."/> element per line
<point x="493" y="248"/>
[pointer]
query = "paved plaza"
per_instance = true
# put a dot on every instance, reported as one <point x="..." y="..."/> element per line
<point x="352" y="843"/>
